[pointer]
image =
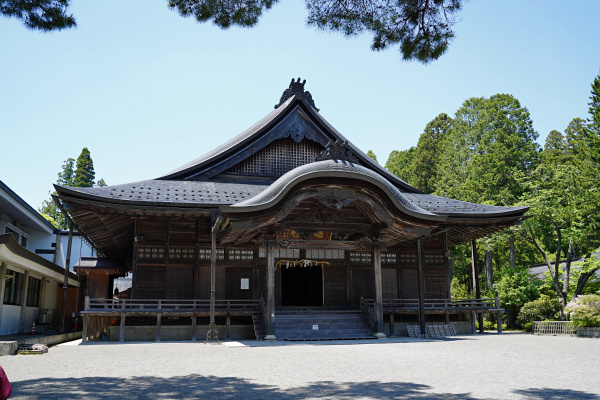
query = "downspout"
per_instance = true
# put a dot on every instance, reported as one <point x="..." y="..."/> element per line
<point x="212" y="328"/>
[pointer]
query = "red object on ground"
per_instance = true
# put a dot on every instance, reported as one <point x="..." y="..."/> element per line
<point x="5" y="388"/>
<point x="33" y="329"/>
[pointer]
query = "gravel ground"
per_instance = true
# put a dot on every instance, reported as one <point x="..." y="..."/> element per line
<point x="489" y="366"/>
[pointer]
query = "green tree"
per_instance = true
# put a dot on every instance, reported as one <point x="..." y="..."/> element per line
<point x="422" y="28"/>
<point x="575" y="136"/>
<point x="490" y="145"/>
<point x="44" y="15"/>
<point x="515" y="288"/>
<point x="593" y="126"/>
<point x="84" y="170"/>
<point x="372" y="155"/>
<point x="78" y="173"/>
<point x="424" y="167"/>
<point x="399" y="163"/>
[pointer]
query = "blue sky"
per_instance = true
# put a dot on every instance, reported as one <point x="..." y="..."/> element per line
<point x="147" y="90"/>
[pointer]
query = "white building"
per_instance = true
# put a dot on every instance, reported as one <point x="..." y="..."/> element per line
<point x="32" y="260"/>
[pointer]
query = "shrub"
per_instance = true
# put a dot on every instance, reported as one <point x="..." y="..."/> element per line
<point x="585" y="310"/>
<point x="528" y="327"/>
<point x="542" y="309"/>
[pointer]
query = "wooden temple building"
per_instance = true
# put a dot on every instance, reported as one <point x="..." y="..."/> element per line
<point x="287" y="231"/>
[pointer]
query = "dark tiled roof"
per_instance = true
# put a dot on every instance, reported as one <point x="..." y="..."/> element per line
<point x="162" y="192"/>
<point x="450" y="207"/>
<point x="225" y="147"/>
<point x="334" y="169"/>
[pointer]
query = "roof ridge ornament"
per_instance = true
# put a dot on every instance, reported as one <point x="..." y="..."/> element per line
<point x="297" y="88"/>
<point x="337" y="150"/>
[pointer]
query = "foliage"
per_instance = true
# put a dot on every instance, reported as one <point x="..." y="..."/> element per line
<point x="458" y="290"/>
<point x="490" y="144"/>
<point x="575" y="136"/>
<point x="542" y="309"/>
<point x="44" y="15"/>
<point x="84" y="171"/>
<point x="372" y="155"/>
<point x="422" y="28"/>
<point x="585" y="310"/>
<point x="424" y="166"/>
<point x="399" y="163"/>
<point x="101" y="183"/>
<point x="517" y="287"/>
<point x="593" y="126"/>
<point x="78" y="173"/>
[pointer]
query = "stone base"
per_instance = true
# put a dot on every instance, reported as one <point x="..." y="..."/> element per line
<point x="271" y="338"/>
<point x="379" y="335"/>
<point x="589" y="331"/>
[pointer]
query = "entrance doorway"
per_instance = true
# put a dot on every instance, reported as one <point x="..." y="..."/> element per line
<point x="302" y="286"/>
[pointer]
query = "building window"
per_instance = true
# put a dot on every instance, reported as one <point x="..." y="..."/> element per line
<point x="280" y="253"/>
<point x="18" y="234"/>
<point x="151" y="253"/>
<point x="241" y="255"/>
<point x="13" y="285"/>
<point x="181" y="254"/>
<point x="325" y="254"/>
<point x="388" y="258"/>
<point x="205" y="254"/>
<point x="360" y="258"/>
<point x="33" y="292"/>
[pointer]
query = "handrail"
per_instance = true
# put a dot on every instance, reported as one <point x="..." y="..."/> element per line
<point x="366" y="307"/>
<point x="131" y="305"/>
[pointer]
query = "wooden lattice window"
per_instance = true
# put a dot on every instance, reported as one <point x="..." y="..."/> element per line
<point x="278" y="158"/>
<point x="205" y="254"/>
<point x="181" y="254"/>
<point x="151" y="253"/>
<point x="360" y="258"/>
<point x="325" y="254"/>
<point x="434" y="258"/>
<point x="388" y="258"/>
<point x="280" y="253"/>
<point x="408" y="258"/>
<point x="241" y="255"/>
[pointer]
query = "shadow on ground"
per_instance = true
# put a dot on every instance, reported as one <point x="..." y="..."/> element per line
<point x="556" y="394"/>
<point x="211" y="387"/>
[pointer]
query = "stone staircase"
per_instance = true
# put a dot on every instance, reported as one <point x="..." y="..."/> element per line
<point x="301" y="325"/>
<point x="260" y="328"/>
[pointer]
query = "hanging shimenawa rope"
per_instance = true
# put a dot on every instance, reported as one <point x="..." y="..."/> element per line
<point x="300" y="263"/>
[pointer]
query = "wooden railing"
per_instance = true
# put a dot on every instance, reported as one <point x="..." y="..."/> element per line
<point x="367" y="307"/>
<point x="169" y="305"/>
<point x="443" y="305"/>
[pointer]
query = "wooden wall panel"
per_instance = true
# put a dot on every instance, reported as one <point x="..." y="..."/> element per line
<point x="389" y="283"/>
<point x="204" y="282"/>
<point x="150" y="282"/>
<point x="335" y="285"/>
<point x="362" y="283"/>
<point x="409" y="285"/>
<point x="179" y="282"/>
<point x="153" y="229"/>
<point x="435" y="285"/>
<point x="233" y="289"/>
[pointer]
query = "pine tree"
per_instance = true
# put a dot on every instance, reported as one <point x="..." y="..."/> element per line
<point x="554" y="148"/>
<point x="593" y="126"/>
<point x="575" y="136"/>
<point x="424" y="168"/>
<point x="84" y="170"/>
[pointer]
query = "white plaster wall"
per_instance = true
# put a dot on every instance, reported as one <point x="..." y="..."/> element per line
<point x="11" y="315"/>
<point x="31" y="316"/>
<point x="79" y="248"/>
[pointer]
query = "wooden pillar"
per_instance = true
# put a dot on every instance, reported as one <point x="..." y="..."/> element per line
<point x="270" y="290"/>
<point x="376" y="259"/>
<point x="498" y="314"/>
<point x="3" y="269"/>
<point x="489" y="268"/>
<point x="134" y="267"/>
<point x="212" y="329"/>
<point x="158" y="326"/>
<point x="473" y="324"/>
<point x="476" y="287"/>
<point x="513" y="256"/>
<point x="228" y="326"/>
<point x="24" y="291"/>
<point x="194" y="334"/>
<point x="392" y="325"/>
<point x="84" y="332"/>
<point x="66" y="280"/>
<point x="122" y="330"/>
<point x="421" y="280"/>
<point x="86" y="319"/>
